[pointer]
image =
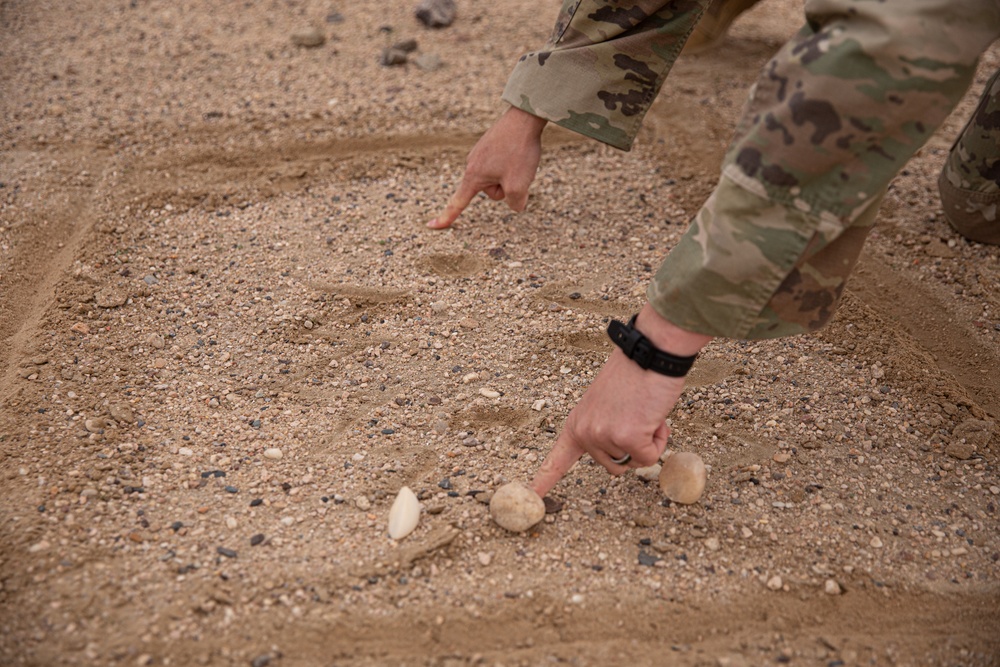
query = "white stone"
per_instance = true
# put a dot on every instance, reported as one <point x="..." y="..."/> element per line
<point x="538" y="405"/>
<point x="516" y="507"/>
<point x="712" y="544"/>
<point x="273" y="453"/>
<point x="649" y="473"/>
<point x="363" y="503"/>
<point x="831" y="587"/>
<point x="775" y="583"/>
<point x="876" y="543"/>
<point x="185" y="451"/>
<point x="404" y="515"/>
<point x="489" y="393"/>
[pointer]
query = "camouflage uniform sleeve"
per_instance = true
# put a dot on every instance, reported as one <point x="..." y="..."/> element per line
<point x="603" y="65"/>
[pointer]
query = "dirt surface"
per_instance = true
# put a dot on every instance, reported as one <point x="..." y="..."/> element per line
<point x="212" y="247"/>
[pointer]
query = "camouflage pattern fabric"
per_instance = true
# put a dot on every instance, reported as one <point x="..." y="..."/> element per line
<point x="970" y="179"/>
<point x="831" y="120"/>
<point x="603" y="65"/>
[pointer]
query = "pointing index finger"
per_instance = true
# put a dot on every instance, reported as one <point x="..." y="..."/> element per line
<point x="463" y="195"/>
<point x="562" y="457"/>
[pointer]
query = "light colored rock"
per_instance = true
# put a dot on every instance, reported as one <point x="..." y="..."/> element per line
<point x="95" y="425"/>
<point x="308" y="38"/>
<point x="185" y="451"/>
<point x="962" y="451"/>
<point x="712" y="544"/>
<point x="682" y="477"/>
<point x="876" y="542"/>
<point x="489" y="393"/>
<point x="404" y="515"/>
<point x="538" y="405"/>
<point x="470" y="377"/>
<point x="429" y="62"/>
<point x="775" y="583"/>
<point x="273" y="453"/>
<point x="831" y="587"/>
<point x="363" y="503"/>
<point x="122" y="413"/>
<point x="649" y="473"/>
<point x="516" y="507"/>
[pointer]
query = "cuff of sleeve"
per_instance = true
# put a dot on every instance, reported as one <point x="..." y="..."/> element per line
<point x="554" y="87"/>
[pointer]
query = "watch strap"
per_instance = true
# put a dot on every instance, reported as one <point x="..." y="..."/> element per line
<point x="641" y="350"/>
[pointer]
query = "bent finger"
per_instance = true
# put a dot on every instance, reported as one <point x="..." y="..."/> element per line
<point x="494" y="192"/>
<point x="562" y="457"/>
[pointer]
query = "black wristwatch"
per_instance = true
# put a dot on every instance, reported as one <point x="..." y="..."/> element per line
<point x="641" y="350"/>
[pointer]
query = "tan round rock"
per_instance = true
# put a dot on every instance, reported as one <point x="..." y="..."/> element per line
<point x="682" y="477"/>
<point x="516" y="507"/>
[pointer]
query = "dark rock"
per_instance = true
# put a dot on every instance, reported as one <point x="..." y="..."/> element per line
<point x="228" y="553"/>
<point x="649" y="560"/>
<point x="406" y="46"/>
<point x="392" y="57"/>
<point x="436" y="13"/>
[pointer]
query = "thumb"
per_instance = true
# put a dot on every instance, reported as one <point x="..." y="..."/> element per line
<point x="458" y="202"/>
<point x="562" y="457"/>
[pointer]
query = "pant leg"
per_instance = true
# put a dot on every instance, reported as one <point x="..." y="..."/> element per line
<point x="831" y="120"/>
<point x="970" y="180"/>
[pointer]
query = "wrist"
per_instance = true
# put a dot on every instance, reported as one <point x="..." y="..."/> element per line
<point x="667" y="336"/>
<point x="524" y="120"/>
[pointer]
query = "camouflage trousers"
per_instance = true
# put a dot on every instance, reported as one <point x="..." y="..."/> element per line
<point x="970" y="180"/>
<point x="832" y="119"/>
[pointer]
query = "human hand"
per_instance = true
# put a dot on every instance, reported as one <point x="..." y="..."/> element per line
<point x="624" y="409"/>
<point x="502" y="164"/>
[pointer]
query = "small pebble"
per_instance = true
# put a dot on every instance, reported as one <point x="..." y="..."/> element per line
<point x="256" y="539"/>
<point x="228" y="553"/>
<point x="489" y="393"/>
<point x="436" y="13"/>
<point x="363" y="503"/>
<point x="308" y="38"/>
<point x="831" y="587"/>
<point x="649" y="473"/>
<point x="775" y="583"/>
<point x="273" y="453"/>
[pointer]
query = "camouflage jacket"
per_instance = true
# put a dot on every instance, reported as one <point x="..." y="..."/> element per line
<point x="603" y="65"/>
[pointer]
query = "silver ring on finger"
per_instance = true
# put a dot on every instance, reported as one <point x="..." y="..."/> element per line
<point x="623" y="460"/>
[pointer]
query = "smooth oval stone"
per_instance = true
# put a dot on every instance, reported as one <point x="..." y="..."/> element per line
<point x="682" y="477"/>
<point x="404" y="515"/>
<point x="516" y="507"/>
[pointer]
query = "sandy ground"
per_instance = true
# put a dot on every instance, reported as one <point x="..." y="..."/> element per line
<point x="212" y="245"/>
